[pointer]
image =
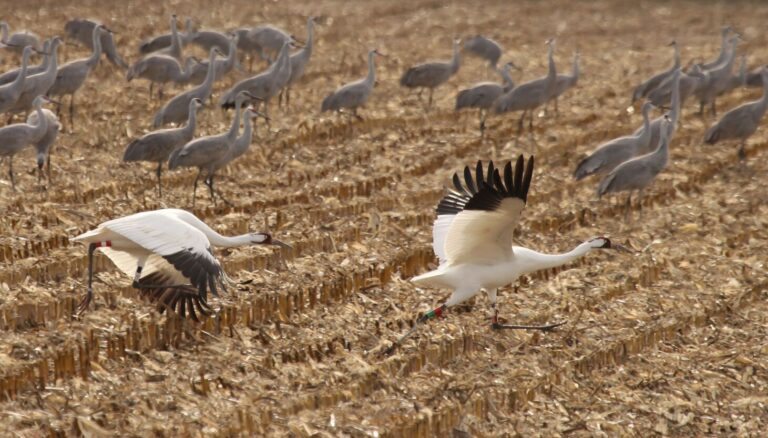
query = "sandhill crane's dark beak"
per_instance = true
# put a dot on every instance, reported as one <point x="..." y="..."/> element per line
<point x="280" y="244"/>
<point x="295" y="42"/>
<point x="379" y="53"/>
<point x="621" y="248"/>
<point x="255" y="114"/>
<point x="56" y="102"/>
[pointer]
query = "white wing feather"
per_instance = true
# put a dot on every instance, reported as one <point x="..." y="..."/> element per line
<point x="439" y="232"/>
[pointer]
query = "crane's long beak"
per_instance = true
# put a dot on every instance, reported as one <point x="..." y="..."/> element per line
<point x="260" y="114"/>
<point x="281" y="244"/>
<point x="621" y="248"/>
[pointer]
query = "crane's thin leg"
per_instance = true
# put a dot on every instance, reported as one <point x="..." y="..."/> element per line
<point x="627" y="207"/>
<point x="482" y="122"/>
<point x="194" y="190"/>
<point x="712" y="108"/>
<point x="151" y="86"/>
<point x="159" y="183"/>
<point x="89" y="294"/>
<point x="436" y="313"/>
<point x="10" y="173"/>
<point x="209" y="182"/>
<point x="354" y="113"/>
<point x="557" y="111"/>
<point x="160" y="92"/>
<point x="530" y="120"/>
<point x="495" y="325"/>
<point x="640" y="203"/>
<point x="288" y="96"/>
<point x="429" y="105"/>
<point x="72" y="111"/>
<point x="520" y="124"/>
<point x="48" y="167"/>
<point x="742" y="151"/>
<point x="280" y="98"/>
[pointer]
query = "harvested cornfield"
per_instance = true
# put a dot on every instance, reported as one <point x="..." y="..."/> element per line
<point x="668" y="340"/>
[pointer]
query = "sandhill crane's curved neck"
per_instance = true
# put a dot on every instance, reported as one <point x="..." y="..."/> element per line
<point x="53" y="64"/>
<point x="371" y="78"/>
<point x="4" y="32"/>
<point x="505" y="75"/>
<point x="675" y="112"/>
<point x="175" y="40"/>
<point x="552" y="70"/>
<point x="209" y="74"/>
<point x="575" y="68"/>
<point x="662" y="150"/>
<point x="528" y="260"/>
<point x="455" y="59"/>
<point x="310" y="36"/>
<point x="232" y="134"/>
<point x="676" y="56"/>
<point x="244" y="141"/>
<point x="189" y="129"/>
<point x="18" y="82"/>
<point x="42" y="121"/>
<point x="186" y="71"/>
<point x="96" y="54"/>
<point x="645" y="135"/>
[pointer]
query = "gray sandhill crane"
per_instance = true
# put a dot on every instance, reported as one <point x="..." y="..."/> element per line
<point x="222" y="65"/>
<point x="32" y="70"/>
<point x="204" y="152"/>
<point x="264" y="85"/>
<point x="265" y="40"/>
<point x="432" y="74"/>
<point x="9" y="93"/>
<point x="689" y="85"/>
<point x="639" y="172"/>
<point x="484" y="94"/>
<point x="72" y="75"/>
<point x="174" y="50"/>
<point x="16" y="137"/>
<point x="160" y="69"/>
<point x="299" y="61"/>
<point x="724" y="50"/>
<point x="736" y="80"/>
<point x="740" y="122"/>
<point x="164" y="41"/>
<point x="754" y="77"/>
<point x="717" y="79"/>
<point x="659" y="122"/>
<point x="176" y="110"/>
<point x="485" y="48"/>
<point x="646" y="87"/>
<point x="208" y="39"/>
<point x="472" y="238"/>
<point x="355" y="94"/>
<point x="39" y="84"/>
<point x="81" y="30"/>
<point x="530" y="95"/>
<point x="43" y="146"/>
<point x="157" y="146"/>
<point x="169" y="255"/>
<point x="609" y="155"/>
<point x="17" y="41"/>
<point x="565" y="82"/>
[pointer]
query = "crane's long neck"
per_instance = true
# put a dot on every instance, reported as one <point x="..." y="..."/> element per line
<point x="42" y="121"/>
<point x="645" y="135"/>
<point x="96" y="54"/>
<point x="188" y="31"/>
<point x="232" y="134"/>
<point x="505" y="75"/>
<point x="4" y="32"/>
<point x="175" y="41"/>
<point x="455" y="60"/>
<point x="310" y="37"/>
<point x="662" y="150"/>
<point x="675" y="112"/>
<point x="210" y="74"/>
<point x="575" y="69"/>
<point x="371" y="78"/>
<point x="189" y="129"/>
<point x="18" y="82"/>
<point x="676" y="56"/>
<point x="552" y="71"/>
<point x="53" y="65"/>
<point x="528" y="260"/>
<point x="232" y="56"/>
<point x="244" y="141"/>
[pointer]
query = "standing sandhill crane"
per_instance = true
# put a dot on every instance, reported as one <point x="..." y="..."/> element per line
<point x="17" y="41"/>
<point x="740" y="122"/>
<point x="639" y="172"/>
<point x="164" y="41"/>
<point x="222" y="65"/>
<point x="266" y="40"/>
<point x="9" y="93"/>
<point x="609" y="155"/>
<point x="432" y="74"/>
<point x="81" y="30"/>
<point x="299" y="61"/>
<point x="689" y="85"/>
<point x="43" y="146"/>
<point x="16" y="137"/>
<point x="659" y="123"/>
<point x="646" y="87"/>
<point x="736" y="80"/>
<point x="160" y="69"/>
<point x="12" y="75"/>
<point x="472" y="238"/>
<point x="724" y="50"/>
<point x="485" y="48"/>
<point x="265" y="85"/>
<point x="176" y="110"/>
<point x="157" y="146"/>
<point x="565" y="82"/>
<point x="162" y="249"/>
<point x="355" y="94"/>
<point x="72" y="75"/>
<point x="36" y="85"/>
<point x="718" y="78"/>
<point x="484" y="94"/>
<point x="530" y="95"/>
<point x="204" y="152"/>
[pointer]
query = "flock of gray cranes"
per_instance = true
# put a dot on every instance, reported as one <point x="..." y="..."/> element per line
<point x="628" y="163"/>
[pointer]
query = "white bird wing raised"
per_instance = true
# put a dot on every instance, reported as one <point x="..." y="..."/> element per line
<point x="475" y="223"/>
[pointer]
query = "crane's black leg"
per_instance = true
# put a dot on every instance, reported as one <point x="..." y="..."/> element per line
<point x="557" y="112"/>
<point x="628" y="207"/>
<point x="194" y="190"/>
<point x="72" y="111"/>
<point x="159" y="183"/>
<point x="495" y="325"/>
<point x="151" y="87"/>
<point x="482" y="122"/>
<point x="354" y="113"/>
<point x="48" y="167"/>
<point x="10" y="173"/>
<point x="742" y="151"/>
<point x="89" y="294"/>
<point x="429" y="104"/>
<point x="520" y="124"/>
<point x="422" y="319"/>
<point x="287" y="96"/>
<point x="209" y="182"/>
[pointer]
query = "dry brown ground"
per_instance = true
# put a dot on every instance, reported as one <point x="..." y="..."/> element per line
<point x="669" y="341"/>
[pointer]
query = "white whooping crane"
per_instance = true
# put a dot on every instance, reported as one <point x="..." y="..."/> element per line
<point x="472" y="237"/>
<point x="168" y="253"/>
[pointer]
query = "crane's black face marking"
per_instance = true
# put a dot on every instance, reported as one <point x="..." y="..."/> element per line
<point x="488" y="188"/>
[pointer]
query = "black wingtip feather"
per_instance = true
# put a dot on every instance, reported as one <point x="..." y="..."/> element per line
<point x="468" y="180"/>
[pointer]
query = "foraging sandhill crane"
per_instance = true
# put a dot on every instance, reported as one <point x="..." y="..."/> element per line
<point x="160" y="69"/>
<point x="222" y="65"/>
<point x="484" y="94"/>
<point x="659" y="122"/>
<point x="81" y="30"/>
<point x="164" y="41"/>
<point x="9" y="93"/>
<point x="265" y="40"/>
<point x="472" y="238"/>
<point x="740" y="122"/>
<point x="177" y="109"/>
<point x="689" y="85"/>
<point x="299" y="61"/>
<point x="485" y="48"/>
<point x="72" y="75"/>
<point x="162" y="250"/>
<point x="157" y="146"/>
<point x="16" y="137"/>
<point x="39" y="84"/>
<point x="432" y="74"/>
<point x="530" y="95"/>
<point x="609" y="155"/>
<point x="565" y="82"/>
<point x="264" y="85"/>
<point x="718" y="78"/>
<point x="43" y="146"/>
<point x="12" y="75"/>
<point x="646" y="87"/>
<point x="639" y="172"/>
<point x="724" y="50"/>
<point x="204" y="152"/>
<point x="17" y="41"/>
<point x="355" y="94"/>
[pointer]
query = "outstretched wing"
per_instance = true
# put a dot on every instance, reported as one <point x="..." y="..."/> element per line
<point x="475" y="222"/>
